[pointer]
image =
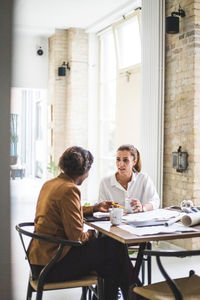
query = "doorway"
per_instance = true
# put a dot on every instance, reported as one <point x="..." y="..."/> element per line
<point x="29" y="110"/>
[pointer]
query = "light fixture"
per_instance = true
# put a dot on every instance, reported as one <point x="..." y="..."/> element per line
<point x="180" y="160"/>
<point x="172" y="22"/>
<point x="62" y="69"/>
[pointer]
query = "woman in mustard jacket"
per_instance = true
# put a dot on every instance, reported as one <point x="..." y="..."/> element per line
<point x="59" y="213"/>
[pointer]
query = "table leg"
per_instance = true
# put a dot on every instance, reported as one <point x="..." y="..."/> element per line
<point x="149" y="247"/>
<point x="139" y="261"/>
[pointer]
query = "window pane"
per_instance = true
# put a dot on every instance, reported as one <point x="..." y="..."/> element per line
<point x="108" y="61"/>
<point x="128" y="43"/>
<point x="108" y="101"/>
<point x="107" y="139"/>
<point x="107" y="166"/>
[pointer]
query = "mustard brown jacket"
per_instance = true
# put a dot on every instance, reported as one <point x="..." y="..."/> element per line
<point x="58" y="213"/>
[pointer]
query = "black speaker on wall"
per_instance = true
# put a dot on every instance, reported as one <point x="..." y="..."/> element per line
<point x="62" y="70"/>
<point x="172" y="22"/>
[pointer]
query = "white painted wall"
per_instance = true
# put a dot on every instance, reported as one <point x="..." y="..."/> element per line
<point x="29" y="70"/>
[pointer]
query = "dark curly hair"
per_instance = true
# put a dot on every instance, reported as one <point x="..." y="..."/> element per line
<point x="135" y="153"/>
<point x="75" y="161"/>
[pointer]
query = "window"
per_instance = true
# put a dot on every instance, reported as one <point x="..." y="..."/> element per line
<point x="14" y="135"/>
<point x="28" y="130"/>
<point x="107" y="101"/>
<point x="120" y="52"/>
<point x="128" y="42"/>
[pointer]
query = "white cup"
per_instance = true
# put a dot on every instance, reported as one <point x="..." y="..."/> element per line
<point x="116" y="215"/>
<point x="128" y="208"/>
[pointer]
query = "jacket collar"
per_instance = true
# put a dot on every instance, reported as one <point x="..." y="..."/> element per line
<point x="65" y="176"/>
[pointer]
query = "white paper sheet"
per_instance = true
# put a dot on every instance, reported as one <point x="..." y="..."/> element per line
<point x="156" y="214"/>
<point x="99" y="214"/>
<point x="175" y="228"/>
<point x="103" y="224"/>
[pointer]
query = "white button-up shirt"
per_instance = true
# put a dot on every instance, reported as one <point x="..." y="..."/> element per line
<point x="140" y="187"/>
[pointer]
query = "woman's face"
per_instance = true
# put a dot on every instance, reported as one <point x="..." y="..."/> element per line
<point x="125" y="162"/>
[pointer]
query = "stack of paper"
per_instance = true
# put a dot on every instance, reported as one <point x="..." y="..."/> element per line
<point x="156" y="214"/>
<point x="175" y="228"/>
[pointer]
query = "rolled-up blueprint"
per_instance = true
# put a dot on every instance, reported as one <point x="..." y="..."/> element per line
<point x="191" y="219"/>
<point x="173" y="220"/>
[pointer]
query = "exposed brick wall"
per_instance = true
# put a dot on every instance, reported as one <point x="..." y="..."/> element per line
<point x="182" y="106"/>
<point x="179" y="106"/>
<point x="58" y="92"/>
<point x="68" y="94"/>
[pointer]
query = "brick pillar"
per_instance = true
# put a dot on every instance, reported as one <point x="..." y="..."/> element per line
<point x="68" y="94"/>
<point x="182" y="106"/>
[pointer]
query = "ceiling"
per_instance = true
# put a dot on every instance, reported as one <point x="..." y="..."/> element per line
<point x="43" y="16"/>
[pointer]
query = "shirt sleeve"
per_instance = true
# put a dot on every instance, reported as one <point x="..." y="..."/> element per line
<point x="150" y="194"/>
<point x="72" y="216"/>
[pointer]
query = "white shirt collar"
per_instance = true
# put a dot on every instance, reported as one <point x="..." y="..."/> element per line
<point x="114" y="181"/>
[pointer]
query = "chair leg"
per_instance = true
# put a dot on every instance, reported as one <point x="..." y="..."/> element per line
<point x="84" y="293"/>
<point x="100" y="288"/>
<point x="29" y="292"/>
<point x="39" y="294"/>
<point x="89" y="294"/>
<point x="143" y="272"/>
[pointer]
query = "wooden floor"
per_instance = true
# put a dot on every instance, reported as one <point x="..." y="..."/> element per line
<point x="24" y="193"/>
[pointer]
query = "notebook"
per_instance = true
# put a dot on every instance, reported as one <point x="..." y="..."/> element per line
<point x="95" y="219"/>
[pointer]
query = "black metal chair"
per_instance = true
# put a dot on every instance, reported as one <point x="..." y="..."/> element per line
<point x="90" y="284"/>
<point x="187" y="288"/>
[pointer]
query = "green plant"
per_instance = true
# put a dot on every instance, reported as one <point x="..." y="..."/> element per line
<point x="86" y="204"/>
<point x="53" y="169"/>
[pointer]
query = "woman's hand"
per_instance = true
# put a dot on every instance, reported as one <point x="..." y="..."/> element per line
<point x="136" y="205"/>
<point x="103" y="206"/>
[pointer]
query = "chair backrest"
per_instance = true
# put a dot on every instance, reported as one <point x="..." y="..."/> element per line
<point x="60" y="242"/>
<point x="171" y="253"/>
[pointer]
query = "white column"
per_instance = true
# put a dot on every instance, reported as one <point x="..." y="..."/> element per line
<point x="153" y="36"/>
<point x="93" y="117"/>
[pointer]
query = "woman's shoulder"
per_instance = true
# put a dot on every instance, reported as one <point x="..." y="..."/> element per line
<point x="62" y="186"/>
<point x="107" y="179"/>
<point x="142" y="176"/>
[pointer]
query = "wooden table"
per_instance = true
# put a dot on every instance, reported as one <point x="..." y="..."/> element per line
<point x="128" y="238"/>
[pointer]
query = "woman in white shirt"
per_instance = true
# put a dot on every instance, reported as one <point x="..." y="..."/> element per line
<point x="129" y="182"/>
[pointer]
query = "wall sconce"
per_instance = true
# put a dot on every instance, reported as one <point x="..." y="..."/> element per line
<point x="172" y="22"/>
<point x="62" y="69"/>
<point x="179" y="160"/>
